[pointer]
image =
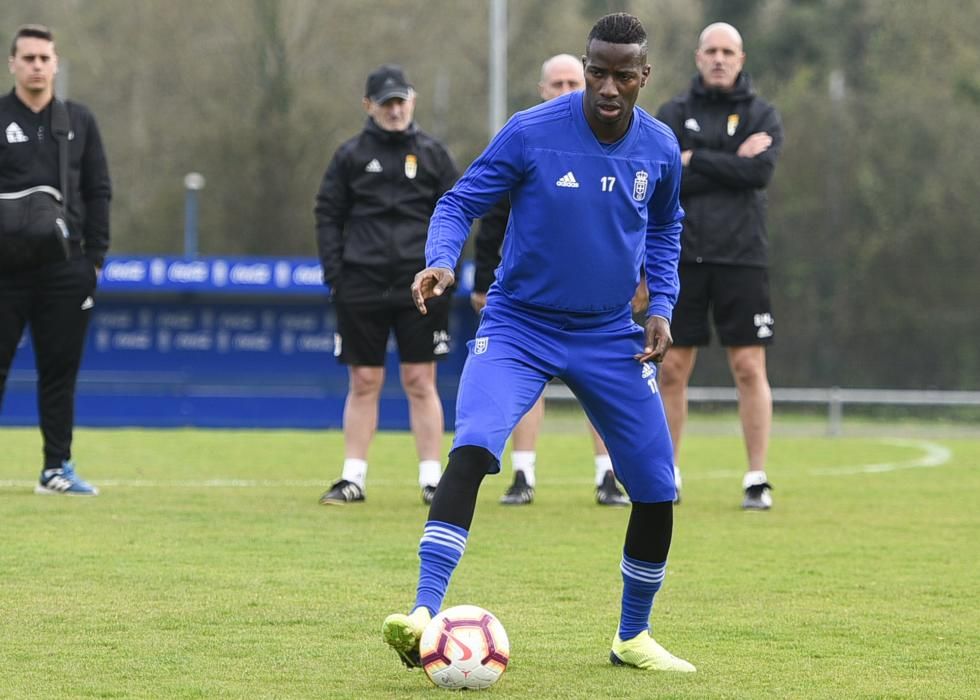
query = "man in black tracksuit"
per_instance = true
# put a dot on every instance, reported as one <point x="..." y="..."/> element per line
<point x="55" y="299"/>
<point x="372" y="217"/>
<point x="730" y="139"/>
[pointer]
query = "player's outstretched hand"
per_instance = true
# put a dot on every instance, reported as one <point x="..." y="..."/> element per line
<point x="658" y="340"/>
<point x="431" y="282"/>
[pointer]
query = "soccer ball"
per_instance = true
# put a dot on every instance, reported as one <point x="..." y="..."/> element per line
<point x="464" y="647"/>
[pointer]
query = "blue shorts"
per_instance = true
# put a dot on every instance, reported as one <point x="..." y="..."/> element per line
<point x="517" y="349"/>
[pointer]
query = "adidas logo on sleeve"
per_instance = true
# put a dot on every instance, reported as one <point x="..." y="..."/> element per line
<point x="567" y="180"/>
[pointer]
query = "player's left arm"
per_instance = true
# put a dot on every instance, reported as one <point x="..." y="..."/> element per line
<point x="663" y="251"/>
<point x="741" y="171"/>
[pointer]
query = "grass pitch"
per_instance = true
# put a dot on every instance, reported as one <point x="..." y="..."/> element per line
<point x="207" y="569"/>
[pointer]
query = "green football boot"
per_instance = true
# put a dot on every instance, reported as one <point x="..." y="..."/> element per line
<point x="643" y="652"/>
<point x="403" y="632"/>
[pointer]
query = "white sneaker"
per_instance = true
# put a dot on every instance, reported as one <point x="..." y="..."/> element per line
<point x="758" y="491"/>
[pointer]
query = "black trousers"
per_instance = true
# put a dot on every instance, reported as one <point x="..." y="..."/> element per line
<point x="56" y="301"/>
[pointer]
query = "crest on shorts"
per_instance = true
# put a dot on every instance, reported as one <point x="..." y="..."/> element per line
<point x="480" y="345"/>
<point x="411" y="166"/>
<point x="732" y="124"/>
<point x="640" y="185"/>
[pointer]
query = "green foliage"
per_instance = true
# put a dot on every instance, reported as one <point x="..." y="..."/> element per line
<point x="873" y="214"/>
<point x="207" y="569"/>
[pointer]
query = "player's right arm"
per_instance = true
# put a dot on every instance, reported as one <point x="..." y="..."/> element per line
<point x="430" y="282"/>
<point x="492" y="175"/>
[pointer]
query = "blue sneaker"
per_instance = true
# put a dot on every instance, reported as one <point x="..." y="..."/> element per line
<point x="64" y="481"/>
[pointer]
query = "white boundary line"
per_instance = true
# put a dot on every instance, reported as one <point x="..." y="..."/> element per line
<point x="933" y="455"/>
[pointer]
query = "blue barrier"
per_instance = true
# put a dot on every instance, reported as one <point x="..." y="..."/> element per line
<point x="222" y="342"/>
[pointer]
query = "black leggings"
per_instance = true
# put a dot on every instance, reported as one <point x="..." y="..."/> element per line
<point x="649" y="531"/>
<point x="455" y="499"/>
<point x="647" y="535"/>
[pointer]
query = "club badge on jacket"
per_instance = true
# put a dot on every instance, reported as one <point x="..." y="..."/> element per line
<point x="411" y="166"/>
<point x="732" y="124"/>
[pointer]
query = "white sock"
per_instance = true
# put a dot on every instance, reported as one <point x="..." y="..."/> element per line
<point x="355" y="471"/>
<point x="523" y="461"/>
<point x="603" y="465"/>
<point x="429" y="472"/>
<point x="754" y="478"/>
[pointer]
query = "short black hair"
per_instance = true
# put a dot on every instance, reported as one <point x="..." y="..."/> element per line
<point x="618" y="28"/>
<point x="34" y="31"/>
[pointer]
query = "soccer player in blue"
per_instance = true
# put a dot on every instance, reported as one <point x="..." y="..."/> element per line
<point x="594" y="184"/>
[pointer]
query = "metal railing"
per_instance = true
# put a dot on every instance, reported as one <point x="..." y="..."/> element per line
<point x="835" y="398"/>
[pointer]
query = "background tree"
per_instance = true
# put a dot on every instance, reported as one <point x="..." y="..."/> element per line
<point x="873" y="212"/>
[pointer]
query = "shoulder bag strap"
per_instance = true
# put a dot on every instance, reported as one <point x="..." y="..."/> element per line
<point x="61" y="128"/>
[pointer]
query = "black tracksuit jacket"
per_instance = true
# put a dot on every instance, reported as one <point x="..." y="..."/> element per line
<point x="723" y="195"/>
<point x="489" y="239"/>
<point x="29" y="157"/>
<point x="55" y="299"/>
<point x="373" y="209"/>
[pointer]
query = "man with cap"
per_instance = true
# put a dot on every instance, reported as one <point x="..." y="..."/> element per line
<point x="372" y="215"/>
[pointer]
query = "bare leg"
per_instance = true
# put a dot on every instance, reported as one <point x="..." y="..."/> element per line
<point x="424" y="408"/>
<point x="361" y="409"/>
<point x="525" y="435"/>
<point x="748" y="365"/>
<point x="607" y="492"/>
<point x="598" y="446"/>
<point x="524" y="439"/>
<point x="675" y="373"/>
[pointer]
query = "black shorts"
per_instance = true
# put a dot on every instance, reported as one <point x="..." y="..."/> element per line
<point x="363" y="330"/>
<point x="738" y="298"/>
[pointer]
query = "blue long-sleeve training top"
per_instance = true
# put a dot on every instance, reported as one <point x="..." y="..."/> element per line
<point x="584" y="215"/>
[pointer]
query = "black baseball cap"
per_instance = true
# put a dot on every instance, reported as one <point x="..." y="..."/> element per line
<point x="387" y="82"/>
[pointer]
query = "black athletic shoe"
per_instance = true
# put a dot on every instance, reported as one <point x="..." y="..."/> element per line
<point x="341" y="492"/>
<point x="428" y="493"/>
<point x="608" y="494"/>
<point x="519" y="493"/>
